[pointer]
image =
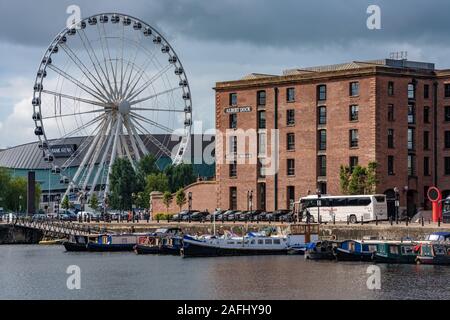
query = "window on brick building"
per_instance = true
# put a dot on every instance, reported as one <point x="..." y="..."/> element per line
<point x="321" y="92"/>
<point x="290" y="197"/>
<point x="391" y="138"/>
<point x="233" y="198"/>
<point x="262" y="141"/>
<point x="426" y="166"/>
<point x="426" y="91"/>
<point x="447" y="165"/>
<point x="411" y="140"/>
<point x="426" y="140"/>
<point x="261" y="98"/>
<point x="447" y="139"/>
<point x="390" y="114"/>
<point x="322" y="115"/>
<point x="447" y="90"/>
<point x="354" y="138"/>
<point x="411" y="165"/>
<point x="261" y="119"/>
<point x="322" y="139"/>
<point x="322" y="165"/>
<point x="290" y="117"/>
<point x="390" y="88"/>
<point x="447" y="113"/>
<point x="426" y="114"/>
<point x="354" y="109"/>
<point x="390" y="166"/>
<point x="290" y="94"/>
<point x="290" y="167"/>
<point x="353" y="163"/>
<point x="233" y="169"/>
<point x="411" y="113"/>
<point x="354" y="89"/>
<point x="426" y="201"/>
<point x="290" y="141"/>
<point x="233" y="145"/>
<point x="233" y="99"/>
<point x="233" y="121"/>
<point x="411" y="91"/>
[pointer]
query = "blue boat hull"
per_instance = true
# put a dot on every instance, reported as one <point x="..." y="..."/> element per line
<point x="197" y="250"/>
<point x="345" y="255"/>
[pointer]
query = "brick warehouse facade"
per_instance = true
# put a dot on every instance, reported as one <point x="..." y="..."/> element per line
<point x="393" y="112"/>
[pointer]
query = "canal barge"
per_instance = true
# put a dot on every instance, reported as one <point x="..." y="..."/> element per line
<point x="166" y="241"/>
<point x="252" y="243"/>
<point x="321" y="250"/>
<point x="356" y="250"/>
<point x="404" y="252"/>
<point x="436" y="253"/>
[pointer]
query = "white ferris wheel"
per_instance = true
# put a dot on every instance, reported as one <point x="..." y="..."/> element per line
<point x="115" y="85"/>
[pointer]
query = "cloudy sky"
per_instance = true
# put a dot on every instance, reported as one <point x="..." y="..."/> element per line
<point x="223" y="40"/>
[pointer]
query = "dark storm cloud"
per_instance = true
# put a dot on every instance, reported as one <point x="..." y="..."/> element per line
<point x="286" y="23"/>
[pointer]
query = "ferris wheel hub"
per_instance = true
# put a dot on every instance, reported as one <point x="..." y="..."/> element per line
<point x="124" y="107"/>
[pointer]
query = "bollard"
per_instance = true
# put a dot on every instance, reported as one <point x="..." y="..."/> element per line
<point x="362" y="220"/>
<point x="168" y="219"/>
<point x="391" y="221"/>
<point x="407" y="221"/>
<point x="334" y="219"/>
<point x="439" y="222"/>
<point x="376" y="220"/>
<point x="348" y="220"/>
<point x="423" y="222"/>
<point x="157" y="219"/>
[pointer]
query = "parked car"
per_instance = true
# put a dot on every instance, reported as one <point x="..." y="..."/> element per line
<point x="183" y="215"/>
<point x="210" y="217"/>
<point x="199" y="216"/>
<point x="275" y="216"/>
<point x="63" y="217"/>
<point x="39" y="217"/>
<point x="263" y="216"/>
<point x="233" y="215"/>
<point x="224" y="215"/>
<point x="287" y="217"/>
<point x="188" y="215"/>
<point x="243" y="216"/>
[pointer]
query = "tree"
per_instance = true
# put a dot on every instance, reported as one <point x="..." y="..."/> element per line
<point x="146" y="166"/>
<point x="180" y="198"/>
<point x="122" y="184"/>
<point x="180" y="176"/>
<point x="93" y="202"/>
<point x="65" y="203"/>
<point x="167" y="200"/>
<point x="153" y="182"/>
<point x="360" y="180"/>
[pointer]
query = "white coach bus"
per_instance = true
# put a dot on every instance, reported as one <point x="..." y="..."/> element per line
<point x="354" y="208"/>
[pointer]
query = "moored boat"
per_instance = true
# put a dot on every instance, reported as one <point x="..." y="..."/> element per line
<point x="356" y="250"/>
<point x="321" y="250"/>
<point x="396" y="252"/>
<point x="253" y="243"/>
<point x="164" y="241"/>
<point x="113" y="242"/>
<point x="78" y="243"/>
<point x="436" y="253"/>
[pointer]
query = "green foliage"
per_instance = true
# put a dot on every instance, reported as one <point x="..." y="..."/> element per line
<point x="362" y="180"/>
<point x="162" y="216"/>
<point x="93" y="202"/>
<point x="65" y="204"/>
<point x="153" y="182"/>
<point x="13" y="192"/>
<point x="146" y="166"/>
<point x="123" y="184"/>
<point x="180" y="176"/>
<point x="167" y="200"/>
<point x="180" y="198"/>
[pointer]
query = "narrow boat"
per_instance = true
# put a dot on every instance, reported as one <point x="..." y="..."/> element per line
<point x="437" y="253"/>
<point x="396" y="252"/>
<point x="78" y="243"/>
<point x="162" y="241"/>
<point x="252" y="243"/>
<point x="113" y="242"/>
<point x="322" y="250"/>
<point x="356" y="250"/>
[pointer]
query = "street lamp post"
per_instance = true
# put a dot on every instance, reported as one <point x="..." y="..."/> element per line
<point x="190" y="200"/>
<point x="397" y="203"/>
<point x="319" y="203"/>
<point x="251" y="200"/>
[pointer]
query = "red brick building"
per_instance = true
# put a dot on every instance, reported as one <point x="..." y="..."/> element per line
<point x="393" y="112"/>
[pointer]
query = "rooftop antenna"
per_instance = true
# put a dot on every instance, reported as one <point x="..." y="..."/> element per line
<point x="399" y="55"/>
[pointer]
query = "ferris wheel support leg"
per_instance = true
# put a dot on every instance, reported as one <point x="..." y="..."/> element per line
<point x="99" y="145"/>
<point x="133" y="140"/>
<point x="138" y="139"/>
<point x="81" y="167"/>
<point x="105" y="154"/>
<point x="113" y="152"/>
